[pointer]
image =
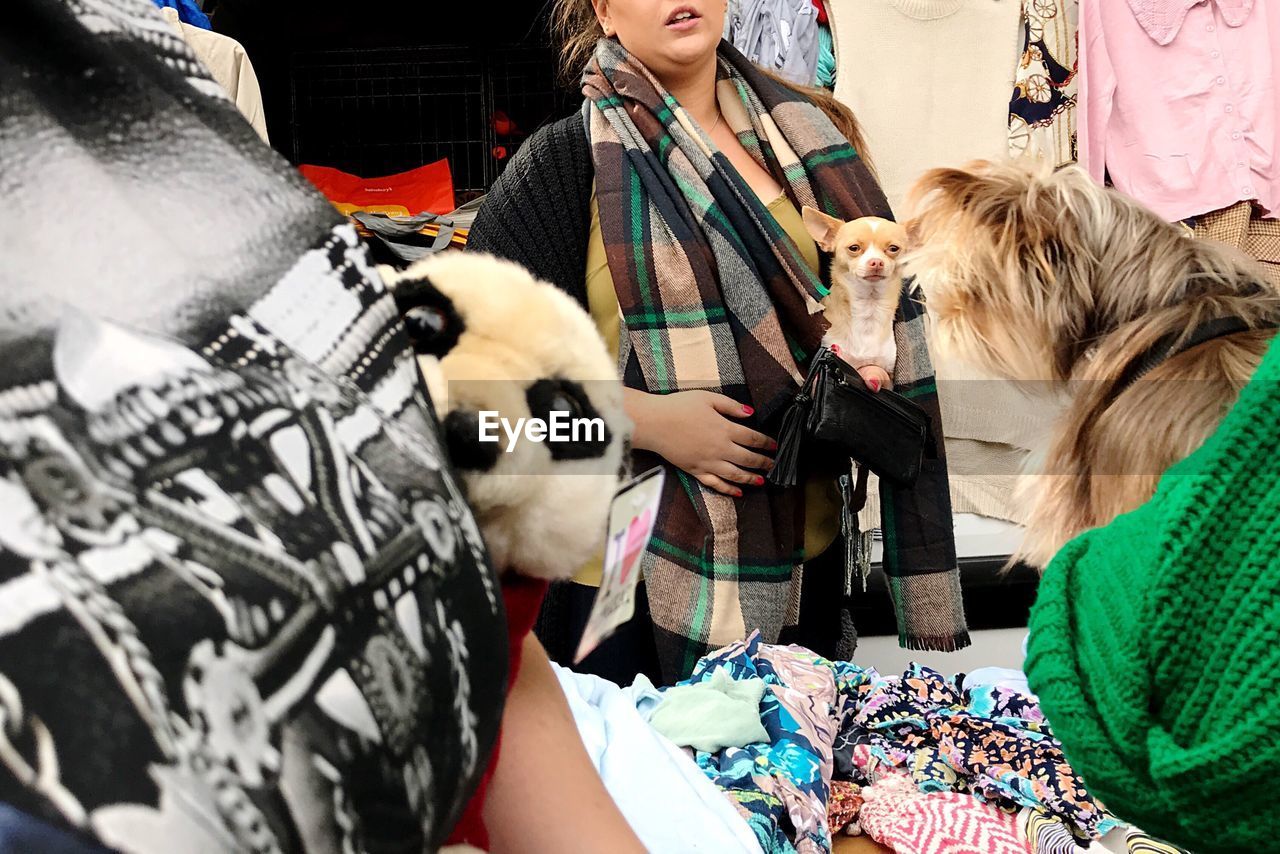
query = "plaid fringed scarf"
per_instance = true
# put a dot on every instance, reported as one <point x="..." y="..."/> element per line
<point x="714" y="295"/>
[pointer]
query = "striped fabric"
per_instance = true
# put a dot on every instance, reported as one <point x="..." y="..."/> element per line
<point x="1046" y="834"/>
<point x="714" y="295"/>
<point x="1140" y="843"/>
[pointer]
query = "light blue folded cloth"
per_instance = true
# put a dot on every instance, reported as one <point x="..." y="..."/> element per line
<point x="721" y="712"/>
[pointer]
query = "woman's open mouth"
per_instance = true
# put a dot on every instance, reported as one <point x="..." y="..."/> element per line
<point x="683" y="18"/>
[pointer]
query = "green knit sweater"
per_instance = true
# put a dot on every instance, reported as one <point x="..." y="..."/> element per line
<point x="1155" y="643"/>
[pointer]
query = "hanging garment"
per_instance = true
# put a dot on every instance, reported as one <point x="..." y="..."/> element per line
<point x="948" y="105"/>
<point x="778" y="35"/>
<point x="1153" y="644"/>
<point x="1241" y="226"/>
<point x="1180" y="106"/>
<point x="719" y="566"/>
<point x="825" y="74"/>
<point x="228" y="64"/>
<point x="1042" y="114"/>
<point x="188" y="11"/>
<point x="992" y="428"/>
<point x="243" y="603"/>
<point x="945" y="102"/>
<point x="665" y="797"/>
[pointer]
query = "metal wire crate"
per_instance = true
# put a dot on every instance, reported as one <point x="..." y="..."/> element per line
<point x="378" y="112"/>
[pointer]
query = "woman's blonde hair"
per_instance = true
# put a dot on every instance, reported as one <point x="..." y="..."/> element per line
<point x="575" y="28"/>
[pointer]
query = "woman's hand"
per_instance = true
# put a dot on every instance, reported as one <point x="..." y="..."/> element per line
<point x="875" y="377"/>
<point x="695" y="432"/>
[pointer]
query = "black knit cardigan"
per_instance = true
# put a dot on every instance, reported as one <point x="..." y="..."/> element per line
<point x="538" y="213"/>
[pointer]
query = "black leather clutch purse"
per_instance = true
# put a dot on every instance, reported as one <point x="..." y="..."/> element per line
<point x="835" y="417"/>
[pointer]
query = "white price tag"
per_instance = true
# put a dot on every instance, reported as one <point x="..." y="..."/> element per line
<point x="631" y="519"/>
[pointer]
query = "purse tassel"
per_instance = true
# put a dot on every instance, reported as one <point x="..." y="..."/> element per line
<point x="786" y="465"/>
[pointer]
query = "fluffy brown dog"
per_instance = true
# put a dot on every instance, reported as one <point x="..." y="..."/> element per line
<point x="1034" y="275"/>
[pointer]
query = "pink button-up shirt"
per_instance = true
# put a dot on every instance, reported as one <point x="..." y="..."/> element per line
<point x="1180" y="101"/>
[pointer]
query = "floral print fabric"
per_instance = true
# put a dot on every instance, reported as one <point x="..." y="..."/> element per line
<point x="782" y="783"/>
<point x="988" y="741"/>
<point x="843" y="805"/>
<point x="831" y="720"/>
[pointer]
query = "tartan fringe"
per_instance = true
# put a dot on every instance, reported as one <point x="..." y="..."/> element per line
<point x="952" y="643"/>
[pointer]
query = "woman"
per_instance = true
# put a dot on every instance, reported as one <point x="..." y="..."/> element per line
<point x="669" y="207"/>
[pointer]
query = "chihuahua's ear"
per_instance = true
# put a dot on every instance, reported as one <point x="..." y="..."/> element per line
<point x="822" y="228"/>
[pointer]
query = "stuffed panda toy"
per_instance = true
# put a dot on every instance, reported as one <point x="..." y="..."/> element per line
<point x="501" y="352"/>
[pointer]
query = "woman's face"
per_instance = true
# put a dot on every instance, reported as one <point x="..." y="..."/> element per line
<point x="670" y="37"/>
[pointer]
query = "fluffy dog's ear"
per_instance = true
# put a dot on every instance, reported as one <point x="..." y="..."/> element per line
<point x="433" y="324"/>
<point x="822" y="228"/>
<point x="959" y="186"/>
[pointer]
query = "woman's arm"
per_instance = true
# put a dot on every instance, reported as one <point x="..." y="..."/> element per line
<point x="546" y="797"/>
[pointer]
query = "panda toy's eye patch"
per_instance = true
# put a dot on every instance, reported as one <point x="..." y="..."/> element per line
<point x="462" y="439"/>
<point x="560" y="395"/>
<point x="433" y="324"/>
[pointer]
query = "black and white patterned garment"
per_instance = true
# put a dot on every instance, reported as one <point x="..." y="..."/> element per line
<point x="243" y="606"/>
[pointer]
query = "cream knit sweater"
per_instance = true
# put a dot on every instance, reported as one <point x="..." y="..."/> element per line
<point x="930" y="80"/>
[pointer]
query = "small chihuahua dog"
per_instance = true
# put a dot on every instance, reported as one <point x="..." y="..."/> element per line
<point x="865" y="287"/>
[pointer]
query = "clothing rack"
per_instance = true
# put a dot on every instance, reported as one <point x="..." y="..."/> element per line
<point x="383" y="111"/>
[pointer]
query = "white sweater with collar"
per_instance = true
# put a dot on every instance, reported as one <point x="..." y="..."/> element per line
<point x="930" y="80"/>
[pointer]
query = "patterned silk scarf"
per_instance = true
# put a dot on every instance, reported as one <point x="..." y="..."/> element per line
<point x="715" y="295"/>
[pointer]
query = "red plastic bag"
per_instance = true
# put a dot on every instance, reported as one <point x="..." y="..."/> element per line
<point x="427" y="189"/>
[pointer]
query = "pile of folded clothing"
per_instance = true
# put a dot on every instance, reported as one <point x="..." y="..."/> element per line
<point x="919" y="762"/>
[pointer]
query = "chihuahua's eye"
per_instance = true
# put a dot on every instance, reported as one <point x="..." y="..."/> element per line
<point x="894" y="249"/>
<point x="855" y="248"/>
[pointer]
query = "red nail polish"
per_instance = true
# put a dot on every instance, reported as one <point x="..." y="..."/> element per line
<point x="759" y="480"/>
<point x="748" y="410"/>
<point x="835" y="348"/>
<point x="737" y="493"/>
<point x="874" y="383"/>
